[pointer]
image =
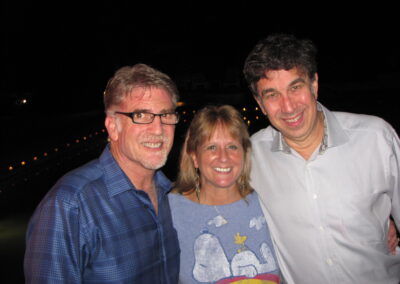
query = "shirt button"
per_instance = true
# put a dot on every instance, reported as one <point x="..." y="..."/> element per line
<point x="315" y="196"/>
<point x="329" y="261"/>
<point x="321" y="228"/>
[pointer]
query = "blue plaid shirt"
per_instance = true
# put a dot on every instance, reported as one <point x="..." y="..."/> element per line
<point x="93" y="226"/>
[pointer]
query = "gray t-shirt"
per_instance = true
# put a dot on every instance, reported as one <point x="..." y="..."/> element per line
<point x="225" y="243"/>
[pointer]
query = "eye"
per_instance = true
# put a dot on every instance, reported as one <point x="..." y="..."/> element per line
<point x="211" y="147"/>
<point x="233" y="147"/>
<point x="270" y="96"/>
<point x="139" y="115"/>
<point x="296" y="87"/>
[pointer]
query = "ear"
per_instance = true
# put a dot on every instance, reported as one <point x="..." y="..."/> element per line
<point x="112" y="127"/>
<point x="314" y="86"/>
<point x="259" y="101"/>
<point x="194" y="159"/>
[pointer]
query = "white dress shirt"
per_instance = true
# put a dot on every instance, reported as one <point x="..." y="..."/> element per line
<point x="329" y="215"/>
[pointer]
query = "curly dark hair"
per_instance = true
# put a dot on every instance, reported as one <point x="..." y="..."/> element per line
<point x="279" y="52"/>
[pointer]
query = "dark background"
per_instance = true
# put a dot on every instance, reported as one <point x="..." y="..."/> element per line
<point x="57" y="57"/>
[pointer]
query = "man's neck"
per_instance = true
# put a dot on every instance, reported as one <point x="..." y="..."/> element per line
<point x="140" y="177"/>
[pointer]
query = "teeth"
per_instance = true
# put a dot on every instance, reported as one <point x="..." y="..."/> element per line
<point x="224" y="170"/>
<point x="293" y="119"/>
<point x="152" y="145"/>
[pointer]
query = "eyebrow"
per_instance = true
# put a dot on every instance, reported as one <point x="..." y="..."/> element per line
<point x="294" y="82"/>
<point x="171" y="110"/>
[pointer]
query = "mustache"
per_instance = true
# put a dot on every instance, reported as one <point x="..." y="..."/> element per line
<point x="154" y="138"/>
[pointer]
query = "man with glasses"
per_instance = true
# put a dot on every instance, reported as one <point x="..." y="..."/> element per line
<point x="109" y="221"/>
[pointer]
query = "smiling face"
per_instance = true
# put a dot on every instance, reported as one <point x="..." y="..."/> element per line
<point x="141" y="146"/>
<point x="288" y="98"/>
<point x="220" y="160"/>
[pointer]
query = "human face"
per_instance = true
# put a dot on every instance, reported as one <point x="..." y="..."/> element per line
<point x="288" y="98"/>
<point x="220" y="161"/>
<point x="143" y="146"/>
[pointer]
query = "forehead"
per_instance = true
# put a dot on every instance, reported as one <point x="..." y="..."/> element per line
<point x="281" y="76"/>
<point x="150" y="99"/>
<point x="221" y="132"/>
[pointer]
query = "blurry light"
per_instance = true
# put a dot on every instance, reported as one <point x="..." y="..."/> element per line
<point x="184" y="112"/>
<point x="103" y="130"/>
<point x="23" y="163"/>
<point x="194" y="111"/>
<point x="179" y="104"/>
<point x="84" y="137"/>
<point x="35" y="158"/>
<point x="55" y="149"/>
<point x="10" y="168"/>
<point x="68" y="144"/>
<point x="256" y="108"/>
<point x="244" y="109"/>
<point x="257" y="117"/>
<point x="77" y="141"/>
<point x="248" y="122"/>
<point x="244" y="118"/>
<point x="45" y="154"/>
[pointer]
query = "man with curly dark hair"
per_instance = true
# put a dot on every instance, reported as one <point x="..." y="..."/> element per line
<point x="329" y="181"/>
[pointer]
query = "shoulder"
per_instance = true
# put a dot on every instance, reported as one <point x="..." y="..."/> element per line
<point x="353" y="122"/>
<point x="73" y="184"/>
<point x="264" y="134"/>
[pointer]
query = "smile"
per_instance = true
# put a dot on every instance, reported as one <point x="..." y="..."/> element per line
<point x="223" y="170"/>
<point x="152" y="145"/>
<point x="293" y="119"/>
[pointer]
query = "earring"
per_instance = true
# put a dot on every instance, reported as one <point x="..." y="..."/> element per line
<point x="197" y="185"/>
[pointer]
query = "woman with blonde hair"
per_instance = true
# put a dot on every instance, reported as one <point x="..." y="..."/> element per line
<point x="222" y="231"/>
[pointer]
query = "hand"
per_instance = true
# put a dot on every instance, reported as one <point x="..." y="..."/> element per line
<point x="393" y="241"/>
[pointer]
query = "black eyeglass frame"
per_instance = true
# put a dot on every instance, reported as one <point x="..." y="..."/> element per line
<point x="161" y="115"/>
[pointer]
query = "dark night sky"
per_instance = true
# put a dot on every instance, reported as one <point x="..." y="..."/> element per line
<point x="62" y="54"/>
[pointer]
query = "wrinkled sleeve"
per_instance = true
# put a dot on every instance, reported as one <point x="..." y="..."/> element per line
<point x="53" y="244"/>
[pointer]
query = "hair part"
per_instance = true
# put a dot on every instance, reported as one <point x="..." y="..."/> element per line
<point x="140" y="75"/>
<point x="279" y="52"/>
<point x="201" y="129"/>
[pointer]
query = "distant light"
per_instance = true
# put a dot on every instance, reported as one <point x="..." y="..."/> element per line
<point x="23" y="163"/>
<point x="256" y="108"/>
<point x="24" y="101"/>
<point x="244" y="109"/>
<point x="55" y="149"/>
<point x="179" y="104"/>
<point x="257" y="117"/>
<point x="10" y="168"/>
<point x="244" y="118"/>
<point x="45" y="154"/>
<point x="35" y="158"/>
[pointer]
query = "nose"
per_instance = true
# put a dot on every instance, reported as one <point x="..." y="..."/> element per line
<point x="156" y="126"/>
<point x="222" y="155"/>
<point x="287" y="104"/>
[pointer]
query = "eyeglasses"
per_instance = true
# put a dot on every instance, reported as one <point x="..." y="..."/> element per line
<point x="148" y="117"/>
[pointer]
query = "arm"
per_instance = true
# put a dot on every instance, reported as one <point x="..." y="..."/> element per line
<point x="52" y="244"/>
<point x="393" y="240"/>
